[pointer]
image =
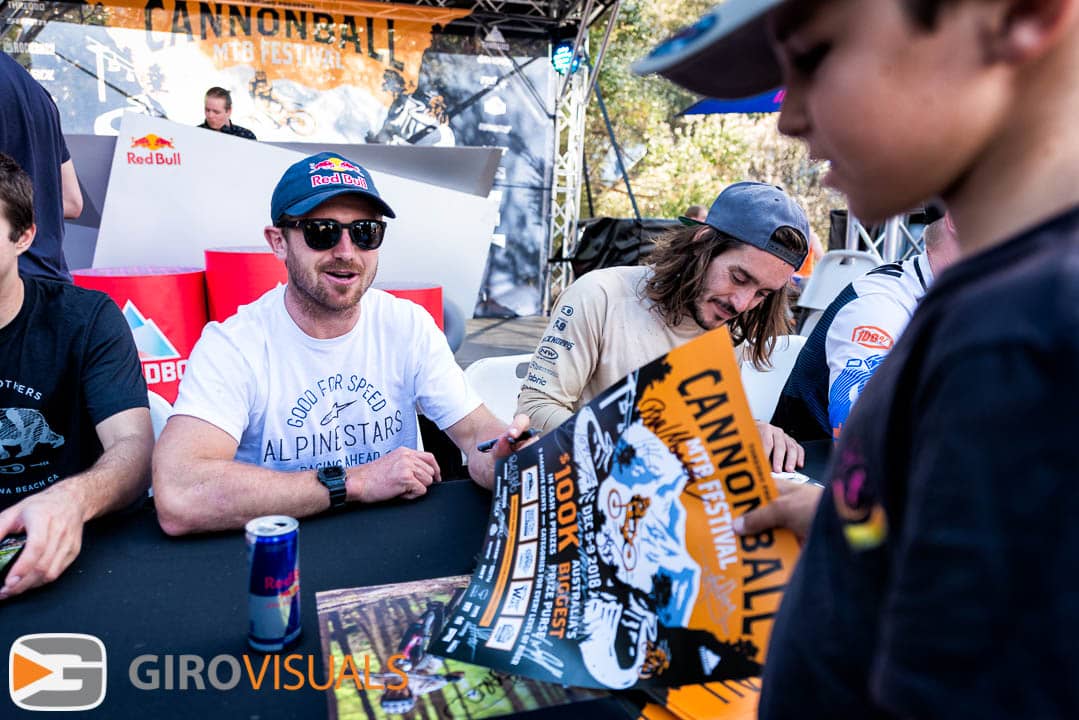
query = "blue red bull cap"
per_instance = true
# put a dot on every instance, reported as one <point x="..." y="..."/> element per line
<point x="314" y="180"/>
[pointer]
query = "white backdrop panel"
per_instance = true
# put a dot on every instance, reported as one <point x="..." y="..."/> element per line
<point x="217" y="190"/>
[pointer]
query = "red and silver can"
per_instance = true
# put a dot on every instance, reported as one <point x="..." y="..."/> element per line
<point x="273" y="596"/>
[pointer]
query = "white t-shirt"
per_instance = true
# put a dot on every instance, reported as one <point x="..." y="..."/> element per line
<point x="294" y="402"/>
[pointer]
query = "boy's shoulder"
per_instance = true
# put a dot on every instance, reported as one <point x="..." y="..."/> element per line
<point x="1023" y="291"/>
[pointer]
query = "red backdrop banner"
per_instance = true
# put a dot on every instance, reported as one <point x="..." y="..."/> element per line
<point x="166" y="310"/>
<point x="236" y="276"/>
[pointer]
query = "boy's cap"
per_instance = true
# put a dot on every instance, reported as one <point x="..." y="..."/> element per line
<point x="726" y="54"/>
<point x="752" y="212"/>
<point x="314" y="180"/>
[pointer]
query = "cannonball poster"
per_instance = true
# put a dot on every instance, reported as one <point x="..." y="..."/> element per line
<point x="610" y="559"/>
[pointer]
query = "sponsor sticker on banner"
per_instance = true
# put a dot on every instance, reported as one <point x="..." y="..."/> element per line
<point x="150" y="150"/>
<point x="161" y="363"/>
<point x="166" y="311"/>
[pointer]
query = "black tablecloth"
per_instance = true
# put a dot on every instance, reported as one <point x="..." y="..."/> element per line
<point x="142" y="592"/>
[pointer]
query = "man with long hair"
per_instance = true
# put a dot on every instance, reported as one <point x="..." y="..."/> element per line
<point x="732" y="269"/>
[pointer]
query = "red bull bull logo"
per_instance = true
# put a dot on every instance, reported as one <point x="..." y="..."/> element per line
<point x="342" y="172"/>
<point x="336" y="165"/>
<point x="154" y="144"/>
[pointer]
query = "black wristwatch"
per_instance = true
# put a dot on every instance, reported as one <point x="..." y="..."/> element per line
<point x="333" y="477"/>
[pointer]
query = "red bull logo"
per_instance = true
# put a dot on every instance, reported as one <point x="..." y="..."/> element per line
<point x="335" y="164"/>
<point x="152" y="142"/>
<point x="269" y="582"/>
<point x="155" y="144"/>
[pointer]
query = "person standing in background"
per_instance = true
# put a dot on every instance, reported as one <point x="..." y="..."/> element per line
<point x="30" y="133"/>
<point x="218" y="110"/>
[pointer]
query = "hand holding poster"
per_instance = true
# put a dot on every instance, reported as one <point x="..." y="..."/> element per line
<point x="611" y="560"/>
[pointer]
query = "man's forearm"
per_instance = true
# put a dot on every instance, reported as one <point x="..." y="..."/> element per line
<point x="116" y="480"/>
<point x="206" y="495"/>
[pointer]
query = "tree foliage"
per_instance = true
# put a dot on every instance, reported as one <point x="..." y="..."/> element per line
<point x="683" y="160"/>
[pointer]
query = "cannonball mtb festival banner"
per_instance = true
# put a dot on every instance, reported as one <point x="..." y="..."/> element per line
<point x="610" y="559"/>
<point x="325" y="71"/>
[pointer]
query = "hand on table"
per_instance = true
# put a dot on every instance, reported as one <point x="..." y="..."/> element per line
<point x="404" y="473"/>
<point x="52" y="521"/>
<point x="784" y="452"/>
<point x="793" y="509"/>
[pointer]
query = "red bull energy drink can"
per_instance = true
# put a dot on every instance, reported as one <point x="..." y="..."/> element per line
<point x="273" y="597"/>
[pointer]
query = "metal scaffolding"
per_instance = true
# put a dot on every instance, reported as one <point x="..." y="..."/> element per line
<point x="566" y="185"/>
<point x="896" y="240"/>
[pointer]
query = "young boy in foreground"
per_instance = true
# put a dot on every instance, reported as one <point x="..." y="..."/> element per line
<point x="938" y="578"/>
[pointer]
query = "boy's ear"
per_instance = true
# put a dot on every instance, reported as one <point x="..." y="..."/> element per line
<point x="1031" y="28"/>
<point x="25" y="240"/>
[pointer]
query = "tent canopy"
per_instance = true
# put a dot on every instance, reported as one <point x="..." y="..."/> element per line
<point x="764" y="103"/>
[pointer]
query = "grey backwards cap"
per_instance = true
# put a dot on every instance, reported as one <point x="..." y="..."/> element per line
<point x="752" y="212"/>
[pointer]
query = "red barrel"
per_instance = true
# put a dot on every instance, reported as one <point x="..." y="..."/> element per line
<point x="166" y="310"/>
<point x="236" y="276"/>
<point x="426" y="295"/>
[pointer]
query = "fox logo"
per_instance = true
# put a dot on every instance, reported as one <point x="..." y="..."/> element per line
<point x="25" y="428"/>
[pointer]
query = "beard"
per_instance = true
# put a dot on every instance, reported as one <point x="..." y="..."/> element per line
<point x="317" y="296"/>
<point x="711" y="323"/>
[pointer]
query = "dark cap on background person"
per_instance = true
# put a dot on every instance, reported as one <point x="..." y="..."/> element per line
<point x="315" y="179"/>
<point x="726" y="54"/>
<point x="752" y="212"/>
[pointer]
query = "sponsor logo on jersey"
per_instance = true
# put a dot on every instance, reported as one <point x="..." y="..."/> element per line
<point x="872" y="337"/>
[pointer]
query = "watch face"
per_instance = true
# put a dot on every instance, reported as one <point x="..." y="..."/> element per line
<point x="333" y="472"/>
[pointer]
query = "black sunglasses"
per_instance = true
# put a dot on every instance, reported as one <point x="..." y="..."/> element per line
<point x="323" y="233"/>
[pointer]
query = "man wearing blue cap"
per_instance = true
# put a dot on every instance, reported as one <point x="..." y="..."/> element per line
<point x="731" y="269"/>
<point x="306" y="399"/>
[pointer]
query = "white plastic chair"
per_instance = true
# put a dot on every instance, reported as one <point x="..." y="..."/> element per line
<point x="763" y="388"/>
<point x="160" y="411"/>
<point x="498" y="381"/>
<point x="834" y="271"/>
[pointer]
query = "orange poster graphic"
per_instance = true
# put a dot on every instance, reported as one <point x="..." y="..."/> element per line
<point x="612" y="560"/>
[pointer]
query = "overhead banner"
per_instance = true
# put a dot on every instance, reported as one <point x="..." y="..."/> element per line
<point x="324" y="72"/>
<point x="611" y="559"/>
